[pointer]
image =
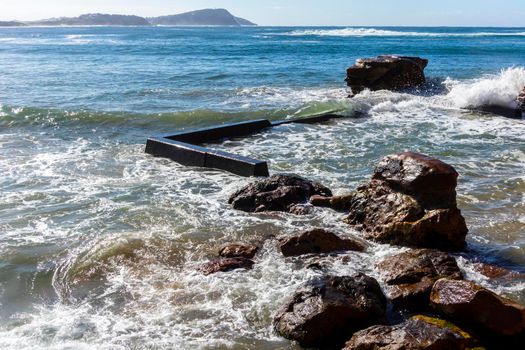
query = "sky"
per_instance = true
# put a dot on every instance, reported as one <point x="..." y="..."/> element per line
<point x="294" y="12"/>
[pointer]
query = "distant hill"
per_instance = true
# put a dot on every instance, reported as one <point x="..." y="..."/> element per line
<point x="208" y="17"/>
<point x="11" y="24"/>
<point x="94" y="19"/>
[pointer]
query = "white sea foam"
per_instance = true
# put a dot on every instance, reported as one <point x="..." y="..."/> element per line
<point x="361" y="32"/>
<point x="501" y="89"/>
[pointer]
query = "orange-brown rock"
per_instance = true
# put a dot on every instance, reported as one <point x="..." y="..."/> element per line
<point x="410" y="201"/>
<point x="471" y="304"/>
<point x="410" y="276"/>
<point x="238" y="251"/>
<point x="417" y="333"/>
<point x="225" y="265"/>
<point x="316" y="241"/>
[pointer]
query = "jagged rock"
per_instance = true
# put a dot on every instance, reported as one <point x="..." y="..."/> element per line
<point x="410" y="201"/>
<point x="466" y="302"/>
<point x="278" y="193"/>
<point x="327" y="311"/>
<point x="238" y="251"/>
<point x="225" y="265"/>
<point x="386" y="73"/>
<point x="411" y="275"/>
<point x="417" y="333"/>
<point x="316" y="241"/>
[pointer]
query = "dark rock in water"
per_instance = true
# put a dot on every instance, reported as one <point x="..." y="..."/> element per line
<point x="386" y="73"/>
<point x="410" y="201"/>
<point x="417" y="333"/>
<point x="521" y="100"/>
<point x="278" y="193"/>
<point x="411" y="275"/>
<point x="238" y="251"/>
<point x="339" y="203"/>
<point x="514" y="112"/>
<point x="320" y="201"/>
<point x="327" y="311"/>
<point x="317" y="241"/>
<point x="466" y="302"/>
<point x="226" y="264"/>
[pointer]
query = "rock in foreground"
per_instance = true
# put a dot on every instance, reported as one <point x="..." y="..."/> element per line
<point x="326" y="312"/>
<point x="467" y="302"/>
<point x="386" y="73"/>
<point x="288" y="193"/>
<point x="410" y="201"/>
<point x="316" y="241"/>
<point x="411" y="275"/>
<point x="418" y="333"/>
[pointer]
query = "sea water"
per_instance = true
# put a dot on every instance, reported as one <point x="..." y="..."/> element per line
<point x="99" y="242"/>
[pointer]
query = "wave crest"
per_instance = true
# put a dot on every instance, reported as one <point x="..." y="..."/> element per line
<point x="361" y="32"/>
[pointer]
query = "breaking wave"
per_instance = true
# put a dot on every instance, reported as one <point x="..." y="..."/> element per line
<point x="361" y="32"/>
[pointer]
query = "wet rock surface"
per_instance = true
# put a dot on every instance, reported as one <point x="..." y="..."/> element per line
<point x="236" y="250"/>
<point x="417" y="333"/>
<point x="386" y="73"/>
<point x="410" y="201"/>
<point x="326" y="312"/>
<point x="411" y="275"/>
<point x="287" y="193"/>
<point x="225" y="265"/>
<point x="471" y="304"/>
<point x="316" y="241"/>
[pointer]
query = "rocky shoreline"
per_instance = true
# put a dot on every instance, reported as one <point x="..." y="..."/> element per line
<point x="421" y="300"/>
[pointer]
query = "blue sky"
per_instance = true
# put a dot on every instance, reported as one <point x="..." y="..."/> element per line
<point x="295" y="12"/>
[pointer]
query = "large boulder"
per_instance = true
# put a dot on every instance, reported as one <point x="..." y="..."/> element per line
<point x="410" y="201"/>
<point x="386" y="73"/>
<point x="327" y="311"/>
<point x="316" y="241"/>
<point x="288" y="193"/>
<point x="417" y="333"/>
<point x="469" y="303"/>
<point x="410" y="276"/>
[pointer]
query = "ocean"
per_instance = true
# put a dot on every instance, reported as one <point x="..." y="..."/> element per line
<point x="100" y="242"/>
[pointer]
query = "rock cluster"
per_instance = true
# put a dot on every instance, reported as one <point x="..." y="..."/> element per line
<point x="410" y="201"/>
<point x="325" y="311"/>
<point x="288" y="193"/>
<point x="386" y="73"/>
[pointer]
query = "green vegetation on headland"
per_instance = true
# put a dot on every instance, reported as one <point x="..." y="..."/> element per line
<point x="207" y="17"/>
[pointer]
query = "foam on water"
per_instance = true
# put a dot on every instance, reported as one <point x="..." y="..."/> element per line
<point x="364" y="32"/>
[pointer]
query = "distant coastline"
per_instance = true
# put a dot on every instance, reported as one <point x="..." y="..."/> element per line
<point x="206" y="17"/>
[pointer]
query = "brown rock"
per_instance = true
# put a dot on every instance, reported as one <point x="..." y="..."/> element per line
<point x="411" y="275"/>
<point x="497" y="272"/>
<point x="417" y="333"/>
<point x="386" y="73"/>
<point x="410" y="201"/>
<point x="277" y="193"/>
<point x="325" y="312"/>
<point x="238" y="251"/>
<point x="320" y="201"/>
<point x="467" y="302"/>
<point x="225" y="265"/>
<point x="316" y="241"/>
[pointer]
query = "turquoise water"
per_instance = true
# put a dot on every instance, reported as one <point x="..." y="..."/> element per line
<point x="99" y="242"/>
